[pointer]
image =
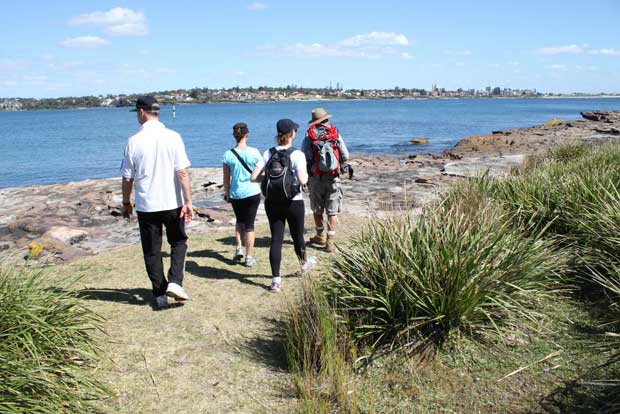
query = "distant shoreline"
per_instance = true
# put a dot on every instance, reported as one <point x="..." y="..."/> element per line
<point x="425" y="98"/>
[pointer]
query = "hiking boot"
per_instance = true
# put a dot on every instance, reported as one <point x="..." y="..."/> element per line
<point x="161" y="302"/>
<point x="319" y="238"/>
<point x="330" y="246"/>
<point x="239" y="253"/>
<point x="250" y="261"/>
<point x="176" y="291"/>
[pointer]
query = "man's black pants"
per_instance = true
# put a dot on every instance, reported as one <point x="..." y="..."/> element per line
<point x="151" y="237"/>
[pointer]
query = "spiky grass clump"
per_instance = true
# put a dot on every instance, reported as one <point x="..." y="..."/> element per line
<point x="47" y="347"/>
<point x="461" y="268"/>
<point x="319" y="353"/>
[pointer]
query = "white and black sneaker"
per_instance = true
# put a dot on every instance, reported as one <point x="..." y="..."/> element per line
<point x="176" y="292"/>
<point x="161" y="302"/>
<point x="239" y="253"/>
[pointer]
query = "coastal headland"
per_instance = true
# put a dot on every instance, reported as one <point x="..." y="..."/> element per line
<point x="57" y="223"/>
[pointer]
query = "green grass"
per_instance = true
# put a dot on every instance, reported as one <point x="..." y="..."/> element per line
<point x="484" y="278"/>
<point x="319" y="354"/>
<point x="48" y="346"/>
<point x="460" y="269"/>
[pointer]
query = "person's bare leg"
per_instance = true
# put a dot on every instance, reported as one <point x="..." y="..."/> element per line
<point x="250" y="236"/>
<point x="332" y="221"/>
<point x="238" y="238"/>
<point x="331" y="233"/>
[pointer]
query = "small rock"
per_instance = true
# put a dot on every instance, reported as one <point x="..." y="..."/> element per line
<point x="66" y="235"/>
<point x="554" y="122"/>
<point x="608" y="131"/>
<point x="419" y="141"/>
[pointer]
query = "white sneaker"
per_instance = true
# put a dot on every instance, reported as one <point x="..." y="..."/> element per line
<point x="250" y="261"/>
<point x="308" y="264"/>
<point x="239" y="253"/>
<point x="176" y="291"/>
<point x="161" y="302"/>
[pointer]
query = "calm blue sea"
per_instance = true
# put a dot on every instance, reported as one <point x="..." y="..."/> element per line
<point x="44" y="147"/>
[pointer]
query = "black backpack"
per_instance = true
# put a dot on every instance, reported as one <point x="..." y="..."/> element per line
<point x="280" y="182"/>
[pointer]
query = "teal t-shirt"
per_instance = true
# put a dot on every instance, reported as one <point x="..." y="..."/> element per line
<point x="240" y="184"/>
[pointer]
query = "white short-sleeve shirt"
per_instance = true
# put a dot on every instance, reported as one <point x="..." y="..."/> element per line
<point x="298" y="162"/>
<point x="152" y="158"/>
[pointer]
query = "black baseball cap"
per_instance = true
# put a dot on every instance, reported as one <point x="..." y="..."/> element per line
<point x="242" y="127"/>
<point x="148" y="103"/>
<point x="285" y="126"/>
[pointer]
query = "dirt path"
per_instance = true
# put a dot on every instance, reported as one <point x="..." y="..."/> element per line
<point x="219" y="353"/>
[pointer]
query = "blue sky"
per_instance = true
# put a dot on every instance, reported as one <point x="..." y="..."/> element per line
<point x="77" y="47"/>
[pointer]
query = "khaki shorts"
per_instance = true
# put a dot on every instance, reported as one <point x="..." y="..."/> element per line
<point x="325" y="194"/>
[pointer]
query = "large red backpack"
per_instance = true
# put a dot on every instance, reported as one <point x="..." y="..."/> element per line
<point x="326" y="153"/>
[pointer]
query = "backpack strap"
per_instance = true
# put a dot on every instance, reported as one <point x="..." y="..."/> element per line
<point x="241" y="160"/>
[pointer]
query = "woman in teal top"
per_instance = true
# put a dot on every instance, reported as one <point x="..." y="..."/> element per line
<point x="243" y="194"/>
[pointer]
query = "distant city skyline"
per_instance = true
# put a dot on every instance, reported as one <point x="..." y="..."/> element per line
<point x="100" y="47"/>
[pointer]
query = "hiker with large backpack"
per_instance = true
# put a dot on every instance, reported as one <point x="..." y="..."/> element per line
<point x="282" y="172"/>
<point x="243" y="194"/>
<point x="326" y="153"/>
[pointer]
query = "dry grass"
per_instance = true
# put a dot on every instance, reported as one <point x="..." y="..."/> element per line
<point x="220" y="352"/>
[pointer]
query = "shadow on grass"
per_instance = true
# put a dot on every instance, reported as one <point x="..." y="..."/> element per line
<point x="259" y="242"/>
<point x="215" y="273"/>
<point x="268" y="349"/>
<point x="581" y="397"/>
<point x="136" y="296"/>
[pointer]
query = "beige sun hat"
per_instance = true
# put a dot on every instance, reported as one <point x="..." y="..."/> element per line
<point x="319" y="115"/>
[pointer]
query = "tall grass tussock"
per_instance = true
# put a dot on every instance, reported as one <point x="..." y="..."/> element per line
<point x="319" y="353"/>
<point x="47" y="347"/>
<point x="463" y="268"/>
<point x="477" y="263"/>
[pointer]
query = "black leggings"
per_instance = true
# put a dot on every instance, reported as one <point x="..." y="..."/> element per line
<point x="279" y="213"/>
<point x="245" y="211"/>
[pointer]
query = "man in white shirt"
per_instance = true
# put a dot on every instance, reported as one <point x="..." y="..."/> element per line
<point x="156" y="163"/>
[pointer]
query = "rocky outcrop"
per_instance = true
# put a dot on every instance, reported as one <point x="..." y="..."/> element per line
<point x="595" y="125"/>
<point x="63" y="221"/>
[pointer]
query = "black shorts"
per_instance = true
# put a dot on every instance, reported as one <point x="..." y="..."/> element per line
<point x="245" y="210"/>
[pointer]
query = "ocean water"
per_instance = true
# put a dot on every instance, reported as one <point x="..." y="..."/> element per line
<point x="45" y="147"/>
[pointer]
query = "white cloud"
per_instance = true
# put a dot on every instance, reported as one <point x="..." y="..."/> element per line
<point x="257" y="6"/>
<point x="11" y="64"/>
<point x="463" y="52"/>
<point x="585" y="68"/>
<point x="460" y="64"/>
<point x="115" y="22"/>
<point x="605" y="52"/>
<point x="376" y="39"/>
<point x="570" y="49"/>
<point x="88" y="42"/>
<point x="372" y="45"/>
<point x="557" y="67"/>
<point x="35" y="78"/>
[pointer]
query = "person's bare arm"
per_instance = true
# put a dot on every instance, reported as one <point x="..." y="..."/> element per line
<point x="258" y="173"/>
<point x="302" y="176"/>
<point x="226" y="178"/>
<point x="127" y="187"/>
<point x="187" y="211"/>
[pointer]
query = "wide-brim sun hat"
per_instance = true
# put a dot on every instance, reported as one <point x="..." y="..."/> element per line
<point x="319" y="115"/>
